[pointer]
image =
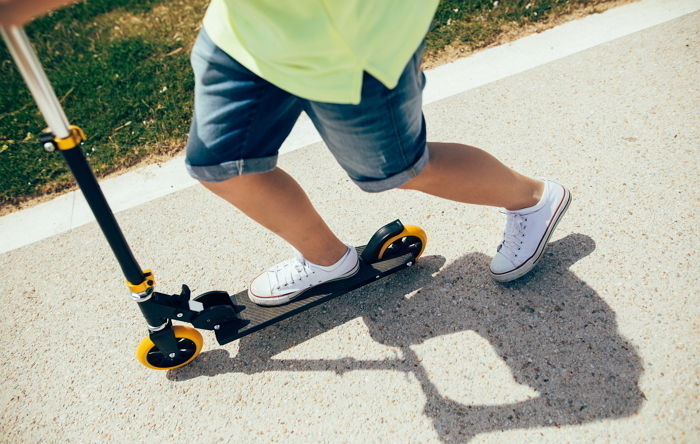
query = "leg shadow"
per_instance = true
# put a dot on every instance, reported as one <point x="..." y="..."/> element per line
<point x="555" y="333"/>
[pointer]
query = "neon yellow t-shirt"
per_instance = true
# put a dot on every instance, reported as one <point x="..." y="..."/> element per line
<point x="318" y="49"/>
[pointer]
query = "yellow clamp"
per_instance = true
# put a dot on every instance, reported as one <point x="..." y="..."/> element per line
<point x="149" y="281"/>
<point x="77" y="135"/>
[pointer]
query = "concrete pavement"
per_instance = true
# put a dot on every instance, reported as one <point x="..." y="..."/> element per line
<point x="599" y="343"/>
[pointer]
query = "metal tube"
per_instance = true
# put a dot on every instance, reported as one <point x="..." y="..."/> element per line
<point x="103" y="214"/>
<point x="35" y="78"/>
<point x="45" y="98"/>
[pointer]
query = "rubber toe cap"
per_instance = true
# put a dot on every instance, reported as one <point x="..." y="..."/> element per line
<point x="261" y="286"/>
<point x="500" y="264"/>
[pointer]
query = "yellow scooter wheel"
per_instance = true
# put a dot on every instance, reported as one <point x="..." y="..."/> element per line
<point x="411" y="240"/>
<point x="189" y="342"/>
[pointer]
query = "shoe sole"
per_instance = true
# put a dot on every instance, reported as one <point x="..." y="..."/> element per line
<point x="285" y="298"/>
<point x="529" y="264"/>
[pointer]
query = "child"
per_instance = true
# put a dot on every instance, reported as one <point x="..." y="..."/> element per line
<point x="354" y="67"/>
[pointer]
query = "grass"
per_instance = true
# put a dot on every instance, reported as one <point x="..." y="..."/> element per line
<point x="121" y="71"/>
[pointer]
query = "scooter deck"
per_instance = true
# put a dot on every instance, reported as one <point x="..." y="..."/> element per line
<point x="254" y="317"/>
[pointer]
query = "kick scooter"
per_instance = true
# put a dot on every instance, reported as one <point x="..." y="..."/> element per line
<point x="392" y="248"/>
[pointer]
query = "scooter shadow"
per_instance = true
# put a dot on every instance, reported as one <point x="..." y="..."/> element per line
<point x="256" y="350"/>
<point x="554" y="332"/>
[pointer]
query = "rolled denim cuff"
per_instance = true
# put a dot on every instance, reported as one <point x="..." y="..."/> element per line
<point x="398" y="179"/>
<point x="230" y="169"/>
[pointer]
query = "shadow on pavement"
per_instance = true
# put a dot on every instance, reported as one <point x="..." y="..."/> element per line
<point x="553" y="331"/>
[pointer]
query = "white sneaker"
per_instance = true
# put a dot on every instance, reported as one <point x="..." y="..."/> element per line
<point x="527" y="232"/>
<point x="289" y="279"/>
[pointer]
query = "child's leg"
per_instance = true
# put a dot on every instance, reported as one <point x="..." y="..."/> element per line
<point x="239" y="123"/>
<point x="276" y="201"/>
<point x="467" y="174"/>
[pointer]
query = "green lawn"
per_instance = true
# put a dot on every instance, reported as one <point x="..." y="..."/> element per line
<point x="121" y="71"/>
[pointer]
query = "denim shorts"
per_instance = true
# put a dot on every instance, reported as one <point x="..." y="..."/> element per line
<point x="240" y="121"/>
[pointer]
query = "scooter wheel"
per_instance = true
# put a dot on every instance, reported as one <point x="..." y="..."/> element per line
<point x="189" y="342"/>
<point x="411" y="240"/>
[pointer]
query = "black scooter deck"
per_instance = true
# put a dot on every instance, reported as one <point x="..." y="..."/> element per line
<point x="254" y="317"/>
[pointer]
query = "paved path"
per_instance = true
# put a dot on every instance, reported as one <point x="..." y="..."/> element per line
<point x="599" y="343"/>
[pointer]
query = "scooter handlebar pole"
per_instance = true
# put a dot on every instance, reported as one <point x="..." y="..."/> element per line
<point x="36" y="80"/>
<point x="68" y="139"/>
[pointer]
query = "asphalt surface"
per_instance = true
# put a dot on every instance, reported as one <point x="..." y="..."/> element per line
<point x="599" y="343"/>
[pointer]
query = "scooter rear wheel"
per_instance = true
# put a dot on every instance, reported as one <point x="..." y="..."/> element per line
<point x="411" y="240"/>
<point x="189" y="342"/>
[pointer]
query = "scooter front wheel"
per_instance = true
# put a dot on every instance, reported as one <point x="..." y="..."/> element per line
<point x="411" y="240"/>
<point x="189" y="342"/>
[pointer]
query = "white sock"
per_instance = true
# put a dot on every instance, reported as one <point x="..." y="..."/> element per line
<point x="336" y="265"/>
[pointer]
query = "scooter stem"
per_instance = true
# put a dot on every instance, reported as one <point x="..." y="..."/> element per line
<point x="214" y="310"/>
<point x="35" y="78"/>
<point x="68" y="139"/>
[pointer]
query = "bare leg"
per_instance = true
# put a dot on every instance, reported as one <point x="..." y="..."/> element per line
<point x="276" y="201"/>
<point x="457" y="172"/>
<point x="467" y="174"/>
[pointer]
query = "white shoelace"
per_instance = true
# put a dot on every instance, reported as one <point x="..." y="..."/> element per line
<point x="513" y="234"/>
<point x="291" y="271"/>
